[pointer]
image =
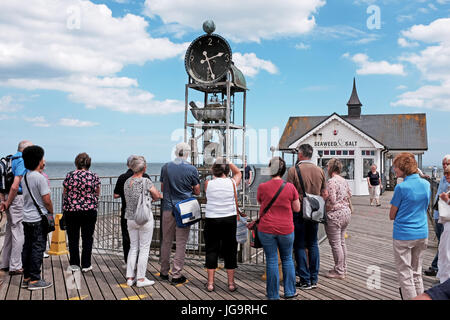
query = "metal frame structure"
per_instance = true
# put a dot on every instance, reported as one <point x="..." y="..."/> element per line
<point x="231" y="84"/>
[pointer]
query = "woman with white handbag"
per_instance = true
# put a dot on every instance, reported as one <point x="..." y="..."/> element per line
<point x="444" y="244"/>
<point x="138" y="191"/>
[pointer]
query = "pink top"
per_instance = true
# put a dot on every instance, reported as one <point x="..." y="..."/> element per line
<point x="338" y="209"/>
<point x="278" y="220"/>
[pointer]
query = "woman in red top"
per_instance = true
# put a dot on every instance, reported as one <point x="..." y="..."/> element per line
<point x="276" y="230"/>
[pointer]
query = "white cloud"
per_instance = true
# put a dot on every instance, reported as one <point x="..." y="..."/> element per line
<point x="68" y="122"/>
<point x="118" y="94"/>
<point x="54" y="44"/>
<point x="402" y="42"/>
<point x="250" y="20"/>
<point x="429" y="96"/>
<point x="7" y="104"/>
<point x="38" y="121"/>
<point x="434" y="64"/>
<point x="251" y="65"/>
<point x="348" y="33"/>
<point x="302" y="46"/>
<point x="367" y="67"/>
<point x="401" y="87"/>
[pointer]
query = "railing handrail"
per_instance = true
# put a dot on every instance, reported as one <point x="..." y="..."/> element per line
<point x="106" y="177"/>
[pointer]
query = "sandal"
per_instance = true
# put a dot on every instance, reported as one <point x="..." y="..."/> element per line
<point x="232" y="287"/>
<point x="209" y="287"/>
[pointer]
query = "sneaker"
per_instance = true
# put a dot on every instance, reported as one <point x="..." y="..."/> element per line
<point x="303" y="286"/>
<point x="179" y="280"/>
<point x="16" y="272"/>
<point x="144" y="283"/>
<point x="74" y="268"/>
<point x="430" y="272"/>
<point x="131" y="282"/>
<point x="46" y="255"/>
<point x="86" y="269"/>
<point x="334" y="275"/>
<point x="164" y="276"/>
<point x="291" y="297"/>
<point x="314" y="285"/>
<point x="40" y="284"/>
<point x="25" y="283"/>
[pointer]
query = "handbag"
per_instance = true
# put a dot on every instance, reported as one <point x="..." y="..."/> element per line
<point x="444" y="211"/>
<point x="186" y="212"/>
<point x="253" y="226"/>
<point x="47" y="221"/>
<point x="241" y="224"/>
<point x="143" y="212"/>
<point x="313" y="206"/>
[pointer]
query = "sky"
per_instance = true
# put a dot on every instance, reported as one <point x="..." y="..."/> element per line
<point x="108" y="77"/>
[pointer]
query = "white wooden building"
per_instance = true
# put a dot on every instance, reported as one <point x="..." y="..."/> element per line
<point x="357" y="140"/>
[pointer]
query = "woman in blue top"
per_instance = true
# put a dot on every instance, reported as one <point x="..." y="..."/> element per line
<point x="409" y="212"/>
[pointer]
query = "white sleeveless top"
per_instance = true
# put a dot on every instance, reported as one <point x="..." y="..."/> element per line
<point x="220" y="201"/>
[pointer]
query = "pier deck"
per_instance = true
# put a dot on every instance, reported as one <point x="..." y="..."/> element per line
<point x="369" y="246"/>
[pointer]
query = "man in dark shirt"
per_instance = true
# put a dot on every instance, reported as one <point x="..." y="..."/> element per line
<point x="119" y="193"/>
<point x="306" y="231"/>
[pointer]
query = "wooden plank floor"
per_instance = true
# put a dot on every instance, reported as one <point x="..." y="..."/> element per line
<point x="369" y="246"/>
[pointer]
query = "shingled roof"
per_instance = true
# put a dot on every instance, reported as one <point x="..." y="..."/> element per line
<point x="394" y="131"/>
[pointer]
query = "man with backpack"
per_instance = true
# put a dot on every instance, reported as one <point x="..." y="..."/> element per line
<point x="305" y="230"/>
<point x="12" y="203"/>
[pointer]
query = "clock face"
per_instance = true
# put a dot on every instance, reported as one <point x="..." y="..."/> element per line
<point x="208" y="58"/>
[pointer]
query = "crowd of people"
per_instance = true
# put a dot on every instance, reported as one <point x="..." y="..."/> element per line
<point x="283" y="231"/>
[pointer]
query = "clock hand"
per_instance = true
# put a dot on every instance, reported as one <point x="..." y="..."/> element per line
<point x="217" y="55"/>
<point x="209" y="65"/>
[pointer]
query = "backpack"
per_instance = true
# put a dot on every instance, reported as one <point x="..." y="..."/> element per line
<point x="6" y="174"/>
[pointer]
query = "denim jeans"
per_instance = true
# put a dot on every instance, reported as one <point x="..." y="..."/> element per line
<point x="273" y="243"/>
<point x="306" y="238"/>
<point x="439" y="228"/>
<point x="83" y="221"/>
<point x="33" y="250"/>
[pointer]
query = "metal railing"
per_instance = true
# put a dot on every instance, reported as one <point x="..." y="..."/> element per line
<point x="108" y="234"/>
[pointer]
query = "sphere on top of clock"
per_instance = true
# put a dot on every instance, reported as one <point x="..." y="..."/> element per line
<point x="208" y="57"/>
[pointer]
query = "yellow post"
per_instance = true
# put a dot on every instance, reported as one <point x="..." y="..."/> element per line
<point x="58" y="245"/>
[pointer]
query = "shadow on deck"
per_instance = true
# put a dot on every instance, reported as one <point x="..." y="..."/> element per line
<point x="369" y="245"/>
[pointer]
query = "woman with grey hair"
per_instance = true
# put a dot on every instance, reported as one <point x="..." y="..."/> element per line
<point x="140" y="235"/>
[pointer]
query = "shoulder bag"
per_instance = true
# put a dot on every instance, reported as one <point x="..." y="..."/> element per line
<point x="253" y="226"/>
<point x="444" y="211"/>
<point x="241" y="224"/>
<point x="313" y="206"/>
<point x="143" y="212"/>
<point x="186" y="212"/>
<point x="47" y="221"/>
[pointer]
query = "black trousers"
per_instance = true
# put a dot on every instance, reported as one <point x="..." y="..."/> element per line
<point x="220" y="238"/>
<point x="83" y="221"/>
<point x="33" y="250"/>
<point x="125" y="238"/>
